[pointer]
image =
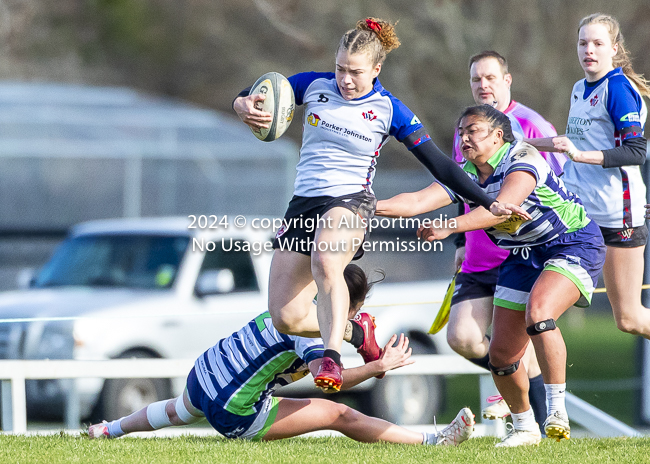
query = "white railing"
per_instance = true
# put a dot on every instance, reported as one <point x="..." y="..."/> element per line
<point x="13" y="374"/>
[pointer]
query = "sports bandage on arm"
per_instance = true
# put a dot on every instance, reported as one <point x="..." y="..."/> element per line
<point x="632" y="152"/>
<point x="444" y="169"/>
<point x="460" y="239"/>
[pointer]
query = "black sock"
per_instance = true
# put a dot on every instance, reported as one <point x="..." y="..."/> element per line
<point x="357" y="335"/>
<point x="537" y="397"/>
<point x="335" y="356"/>
<point x="481" y="362"/>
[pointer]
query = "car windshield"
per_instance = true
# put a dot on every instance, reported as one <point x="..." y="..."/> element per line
<point x="136" y="261"/>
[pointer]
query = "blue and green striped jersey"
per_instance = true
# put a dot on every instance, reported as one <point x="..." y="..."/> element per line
<point x="554" y="209"/>
<point x="242" y="370"/>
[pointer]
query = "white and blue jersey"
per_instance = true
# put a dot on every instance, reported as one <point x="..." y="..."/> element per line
<point x="602" y="115"/>
<point x="553" y="208"/>
<point x="243" y="370"/>
<point x="342" y="138"/>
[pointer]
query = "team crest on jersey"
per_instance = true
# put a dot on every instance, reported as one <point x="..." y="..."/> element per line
<point x="574" y="260"/>
<point x="625" y="235"/>
<point x="313" y="119"/>
<point x="369" y="115"/>
<point x="281" y="231"/>
<point x="594" y="101"/>
<point x="415" y="120"/>
<point x="519" y="155"/>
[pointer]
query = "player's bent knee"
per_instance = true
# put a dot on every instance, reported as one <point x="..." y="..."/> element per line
<point x="505" y="370"/>
<point x="465" y="346"/>
<point x="628" y="325"/>
<point x="336" y="411"/>
<point x="541" y="327"/>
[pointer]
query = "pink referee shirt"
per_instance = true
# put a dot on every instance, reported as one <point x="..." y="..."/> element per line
<point x="481" y="254"/>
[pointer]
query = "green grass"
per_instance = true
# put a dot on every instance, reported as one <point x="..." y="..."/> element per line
<point x="57" y="449"/>
<point x="596" y="351"/>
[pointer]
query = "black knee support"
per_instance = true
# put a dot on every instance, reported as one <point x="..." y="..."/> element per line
<point x="539" y="327"/>
<point x="508" y="370"/>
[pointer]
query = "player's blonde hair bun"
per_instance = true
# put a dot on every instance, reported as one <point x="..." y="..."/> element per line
<point x="385" y="32"/>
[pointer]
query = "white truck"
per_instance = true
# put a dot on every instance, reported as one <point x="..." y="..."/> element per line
<point x="155" y="287"/>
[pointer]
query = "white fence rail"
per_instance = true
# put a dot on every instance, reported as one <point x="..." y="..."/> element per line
<point x="13" y="374"/>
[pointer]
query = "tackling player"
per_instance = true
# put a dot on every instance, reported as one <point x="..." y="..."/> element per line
<point x="232" y="386"/>
<point x="556" y="256"/>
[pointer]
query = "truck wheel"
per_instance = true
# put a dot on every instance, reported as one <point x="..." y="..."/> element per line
<point x="121" y="397"/>
<point x="408" y="399"/>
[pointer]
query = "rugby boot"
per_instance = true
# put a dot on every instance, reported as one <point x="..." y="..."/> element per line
<point x="329" y="376"/>
<point x="520" y="438"/>
<point x="460" y="429"/>
<point x="370" y="350"/>
<point x="498" y="409"/>
<point x="98" y="431"/>
<point x="557" y="426"/>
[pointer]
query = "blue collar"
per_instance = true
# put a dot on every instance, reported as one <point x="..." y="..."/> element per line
<point x="609" y="75"/>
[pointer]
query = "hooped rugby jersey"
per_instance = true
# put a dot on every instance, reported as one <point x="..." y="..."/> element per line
<point x="242" y="370"/>
<point x="480" y="252"/>
<point x="602" y="115"/>
<point x="554" y="209"/>
<point x="342" y="138"/>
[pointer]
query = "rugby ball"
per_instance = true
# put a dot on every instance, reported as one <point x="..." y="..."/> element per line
<point x="280" y="102"/>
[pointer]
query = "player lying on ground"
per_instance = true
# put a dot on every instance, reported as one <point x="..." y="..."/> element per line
<point x="231" y="385"/>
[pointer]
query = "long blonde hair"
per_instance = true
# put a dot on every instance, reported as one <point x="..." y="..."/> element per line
<point x="622" y="58"/>
<point x="373" y="36"/>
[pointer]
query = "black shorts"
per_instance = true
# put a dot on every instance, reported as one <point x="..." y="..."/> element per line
<point x="625" y="238"/>
<point x="303" y="212"/>
<point x="473" y="285"/>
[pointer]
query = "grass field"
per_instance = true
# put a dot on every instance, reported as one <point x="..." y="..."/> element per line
<point x="55" y="449"/>
<point x="600" y="363"/>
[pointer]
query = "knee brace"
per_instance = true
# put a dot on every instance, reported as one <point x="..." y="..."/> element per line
<point x="183" y="413"/>
<point x="508" y="370"/>
<point x="539" y="327"/>
<point x="157" y="415"/>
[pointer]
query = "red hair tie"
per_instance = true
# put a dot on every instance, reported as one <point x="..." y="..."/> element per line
<point x="374" y="25"/>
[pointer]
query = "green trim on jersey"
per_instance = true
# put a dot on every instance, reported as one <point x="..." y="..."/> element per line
<point x="573" y="278"/>
<point x="269" y="420"/>
<point x="259" y="320"/>
<point x="242" y="402"/>
<point x="493" y="161"/>
<point x="509" y="304"/>
<point x="572" y="215"/>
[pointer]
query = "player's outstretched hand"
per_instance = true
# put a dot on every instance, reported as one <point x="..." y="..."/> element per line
<point x="431" y="233"/>
<point x="396" y="356"/>
<point x="566" y="146"/>
<point x="246" y="109"/>
<point x="506" y="209"/>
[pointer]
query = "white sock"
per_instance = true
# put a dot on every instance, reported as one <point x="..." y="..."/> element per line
<point x="429" y="438"/>
<point x="555" y="394"/>
<point x="524" y="421"/>
<point x="115" y="428"/>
